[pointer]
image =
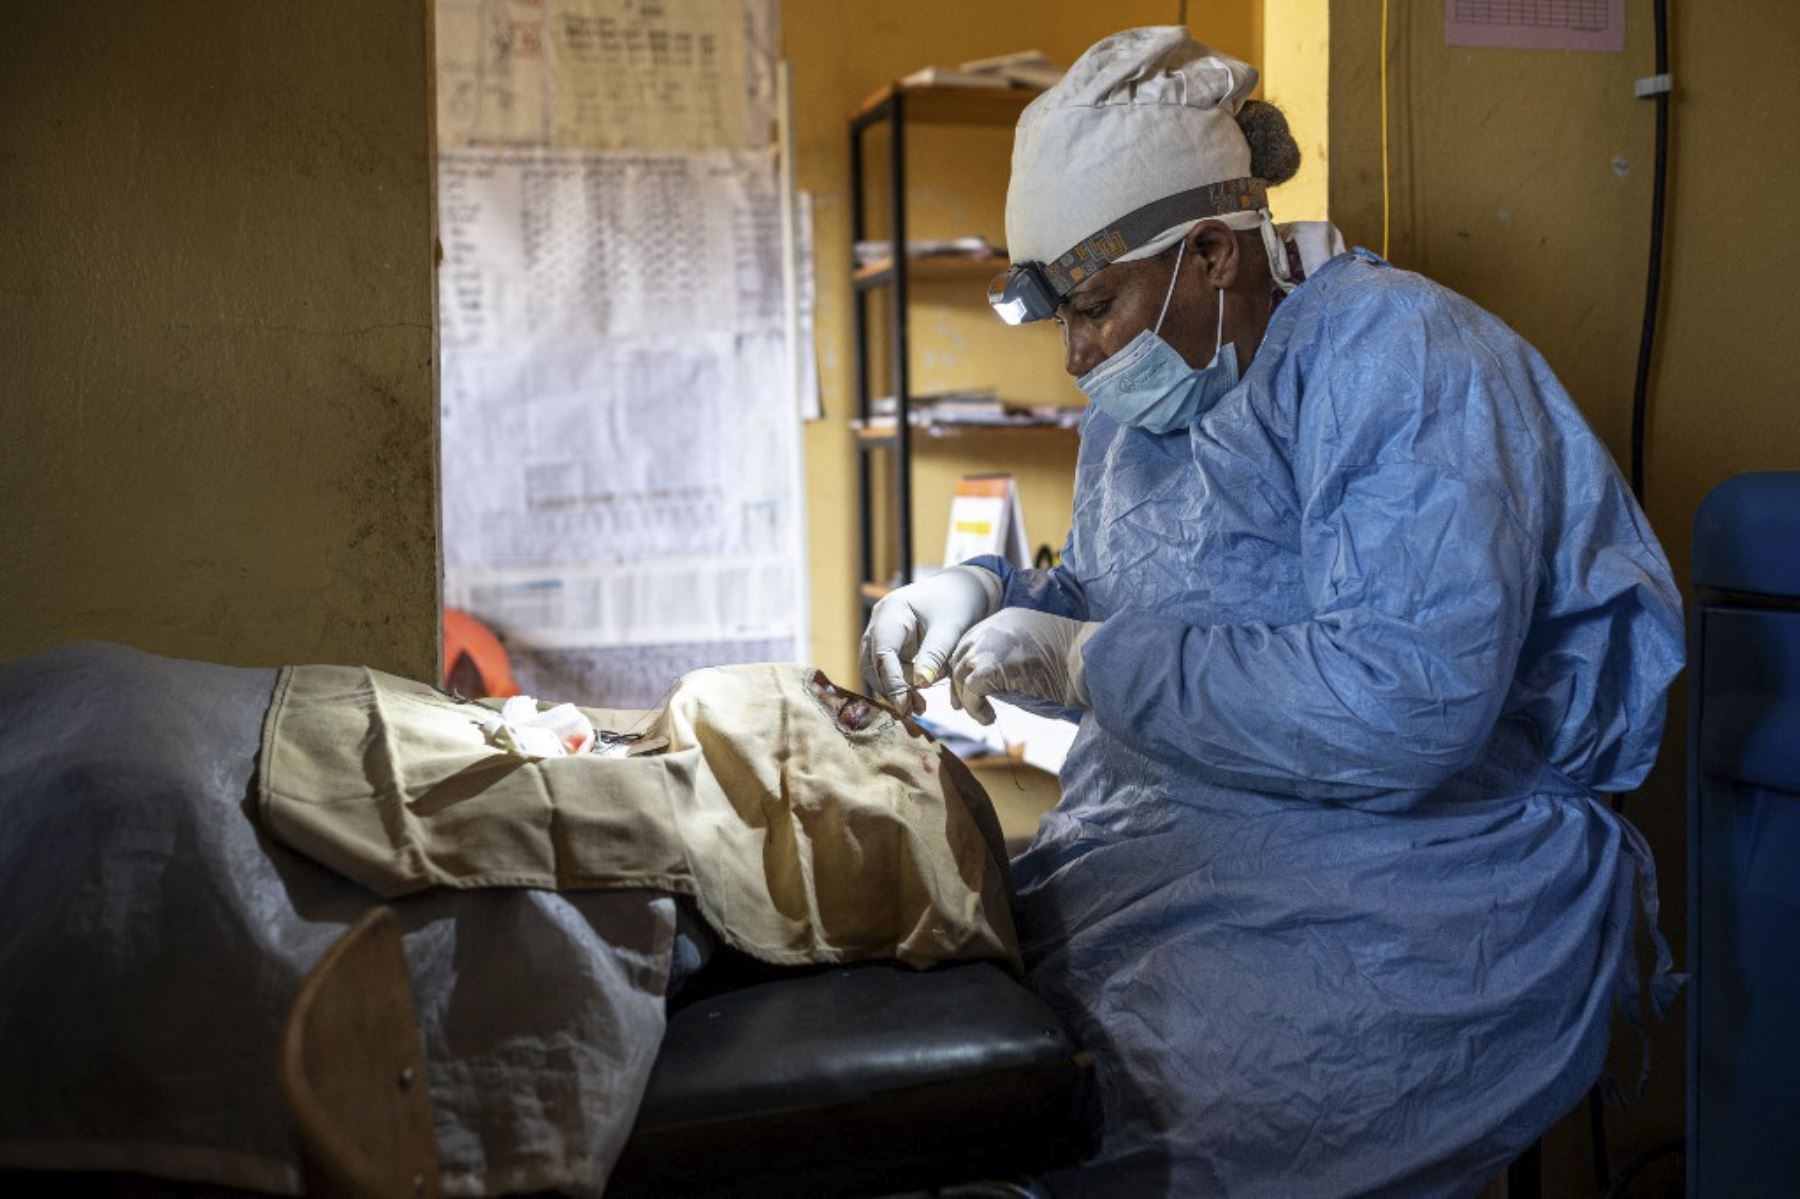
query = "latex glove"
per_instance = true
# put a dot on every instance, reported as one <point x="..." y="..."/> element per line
<point x="913" y="629"/>
<point x="1020" y="651"/>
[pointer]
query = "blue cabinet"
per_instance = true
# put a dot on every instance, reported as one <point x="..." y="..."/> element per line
<point x="1744" y="841"/>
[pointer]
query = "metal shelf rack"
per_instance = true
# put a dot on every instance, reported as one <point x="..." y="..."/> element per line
<point x="900" y="107"/>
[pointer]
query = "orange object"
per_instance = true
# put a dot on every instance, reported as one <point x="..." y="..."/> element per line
<point x="475" y="663"/>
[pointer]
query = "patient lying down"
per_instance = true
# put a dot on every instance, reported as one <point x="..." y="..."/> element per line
<point x="160" y="920"/>
<point x="808" y="824"/>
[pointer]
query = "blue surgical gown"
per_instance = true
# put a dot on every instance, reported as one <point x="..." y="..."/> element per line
<point x="1330" y="893"/>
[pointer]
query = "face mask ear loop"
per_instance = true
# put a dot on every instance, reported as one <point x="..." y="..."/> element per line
<point x="1280" y="270"/>
<point x="1170" y="294"/>
<point x="1219" y="333"/>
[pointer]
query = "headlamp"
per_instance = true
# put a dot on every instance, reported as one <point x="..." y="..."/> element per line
<point x="1031" y="291"/>
<point x="1021" y="293"/>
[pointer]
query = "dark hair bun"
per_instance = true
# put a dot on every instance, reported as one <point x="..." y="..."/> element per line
<point x="1274" y="154"/>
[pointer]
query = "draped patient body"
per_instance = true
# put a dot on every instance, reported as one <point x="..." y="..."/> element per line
<point x="808" y="823"/>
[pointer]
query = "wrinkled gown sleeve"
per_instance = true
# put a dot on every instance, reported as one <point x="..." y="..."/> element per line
<point x="1419" y="566"/>
<point x="1057" y="590"/>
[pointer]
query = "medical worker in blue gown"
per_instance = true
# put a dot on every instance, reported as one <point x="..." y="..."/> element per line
<point x="1360" y="623"/>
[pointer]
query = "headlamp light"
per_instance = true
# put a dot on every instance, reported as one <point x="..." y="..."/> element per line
<point x="1021" y="293"/>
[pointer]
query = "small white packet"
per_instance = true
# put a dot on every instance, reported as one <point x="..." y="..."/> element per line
<point x="520" y="729"/>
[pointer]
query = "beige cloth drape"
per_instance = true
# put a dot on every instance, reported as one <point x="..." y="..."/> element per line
<point x="801" y="838"/>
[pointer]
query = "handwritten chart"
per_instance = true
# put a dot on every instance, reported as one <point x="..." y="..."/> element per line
<point x="620" y="439"/>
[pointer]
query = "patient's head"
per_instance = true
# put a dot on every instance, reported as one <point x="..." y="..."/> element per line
<point x="833" y="790"/>
<point x="851" y="711"/>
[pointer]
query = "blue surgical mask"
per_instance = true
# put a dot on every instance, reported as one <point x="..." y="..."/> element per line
<point x="1148" y="385"/>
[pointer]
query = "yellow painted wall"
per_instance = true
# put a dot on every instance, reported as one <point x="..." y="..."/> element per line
<point x="217" y="410"/>
<point x="1296" y="49"/>
<point x="841" y="51"/>
<point x="1523" y="180"/>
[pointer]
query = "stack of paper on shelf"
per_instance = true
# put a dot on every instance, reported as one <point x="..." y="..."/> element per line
<point x="951" y="77"/>
<point x="946" y="413"/>
<point x="870" y="252"/>
<point x="1027" y="69"/>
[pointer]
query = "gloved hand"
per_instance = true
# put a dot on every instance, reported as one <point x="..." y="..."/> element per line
<point x="913" y="629"/>
<point x="1020" y="651"/>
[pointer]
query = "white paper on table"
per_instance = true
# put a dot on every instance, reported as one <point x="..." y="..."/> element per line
<point x="1043" y="741"/>
<point x="606" y="74"/>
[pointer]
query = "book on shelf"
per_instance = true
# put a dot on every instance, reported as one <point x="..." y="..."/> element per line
<point x="985" y="518"/>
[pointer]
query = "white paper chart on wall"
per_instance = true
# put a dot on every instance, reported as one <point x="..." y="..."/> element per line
<point x="606" y="74"/>
<point x="594" y="458"/>
<point x="1536" y="24"/>
<point x="620" y="440"/>
<point x="549" y="243"/>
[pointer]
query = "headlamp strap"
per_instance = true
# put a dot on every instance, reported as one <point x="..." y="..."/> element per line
<point x="1140" y="225"/>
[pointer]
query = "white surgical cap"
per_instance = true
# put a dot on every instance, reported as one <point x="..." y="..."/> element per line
<point x="1143" y="115"/>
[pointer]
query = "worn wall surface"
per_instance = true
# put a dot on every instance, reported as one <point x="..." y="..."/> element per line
<point x="1522" y="178"/>
<point x="1296" y="53"/>
<point x="841" y="51"/>
<point x="216" y="328"/>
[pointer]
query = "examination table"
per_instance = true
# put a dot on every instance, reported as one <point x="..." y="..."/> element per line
<point x="143" y="1000"/>
<point x="869" y="1079"/>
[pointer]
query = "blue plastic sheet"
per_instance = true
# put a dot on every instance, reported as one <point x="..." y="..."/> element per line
<point x="154" y="939"/>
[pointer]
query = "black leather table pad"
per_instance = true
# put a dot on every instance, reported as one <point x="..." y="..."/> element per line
<point x="869" y="1079"/>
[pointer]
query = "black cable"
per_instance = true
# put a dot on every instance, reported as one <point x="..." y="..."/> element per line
<point x="1640" y="397"/>
<point x="1640" y="1163"/>
<point x="1640" y="403"/>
